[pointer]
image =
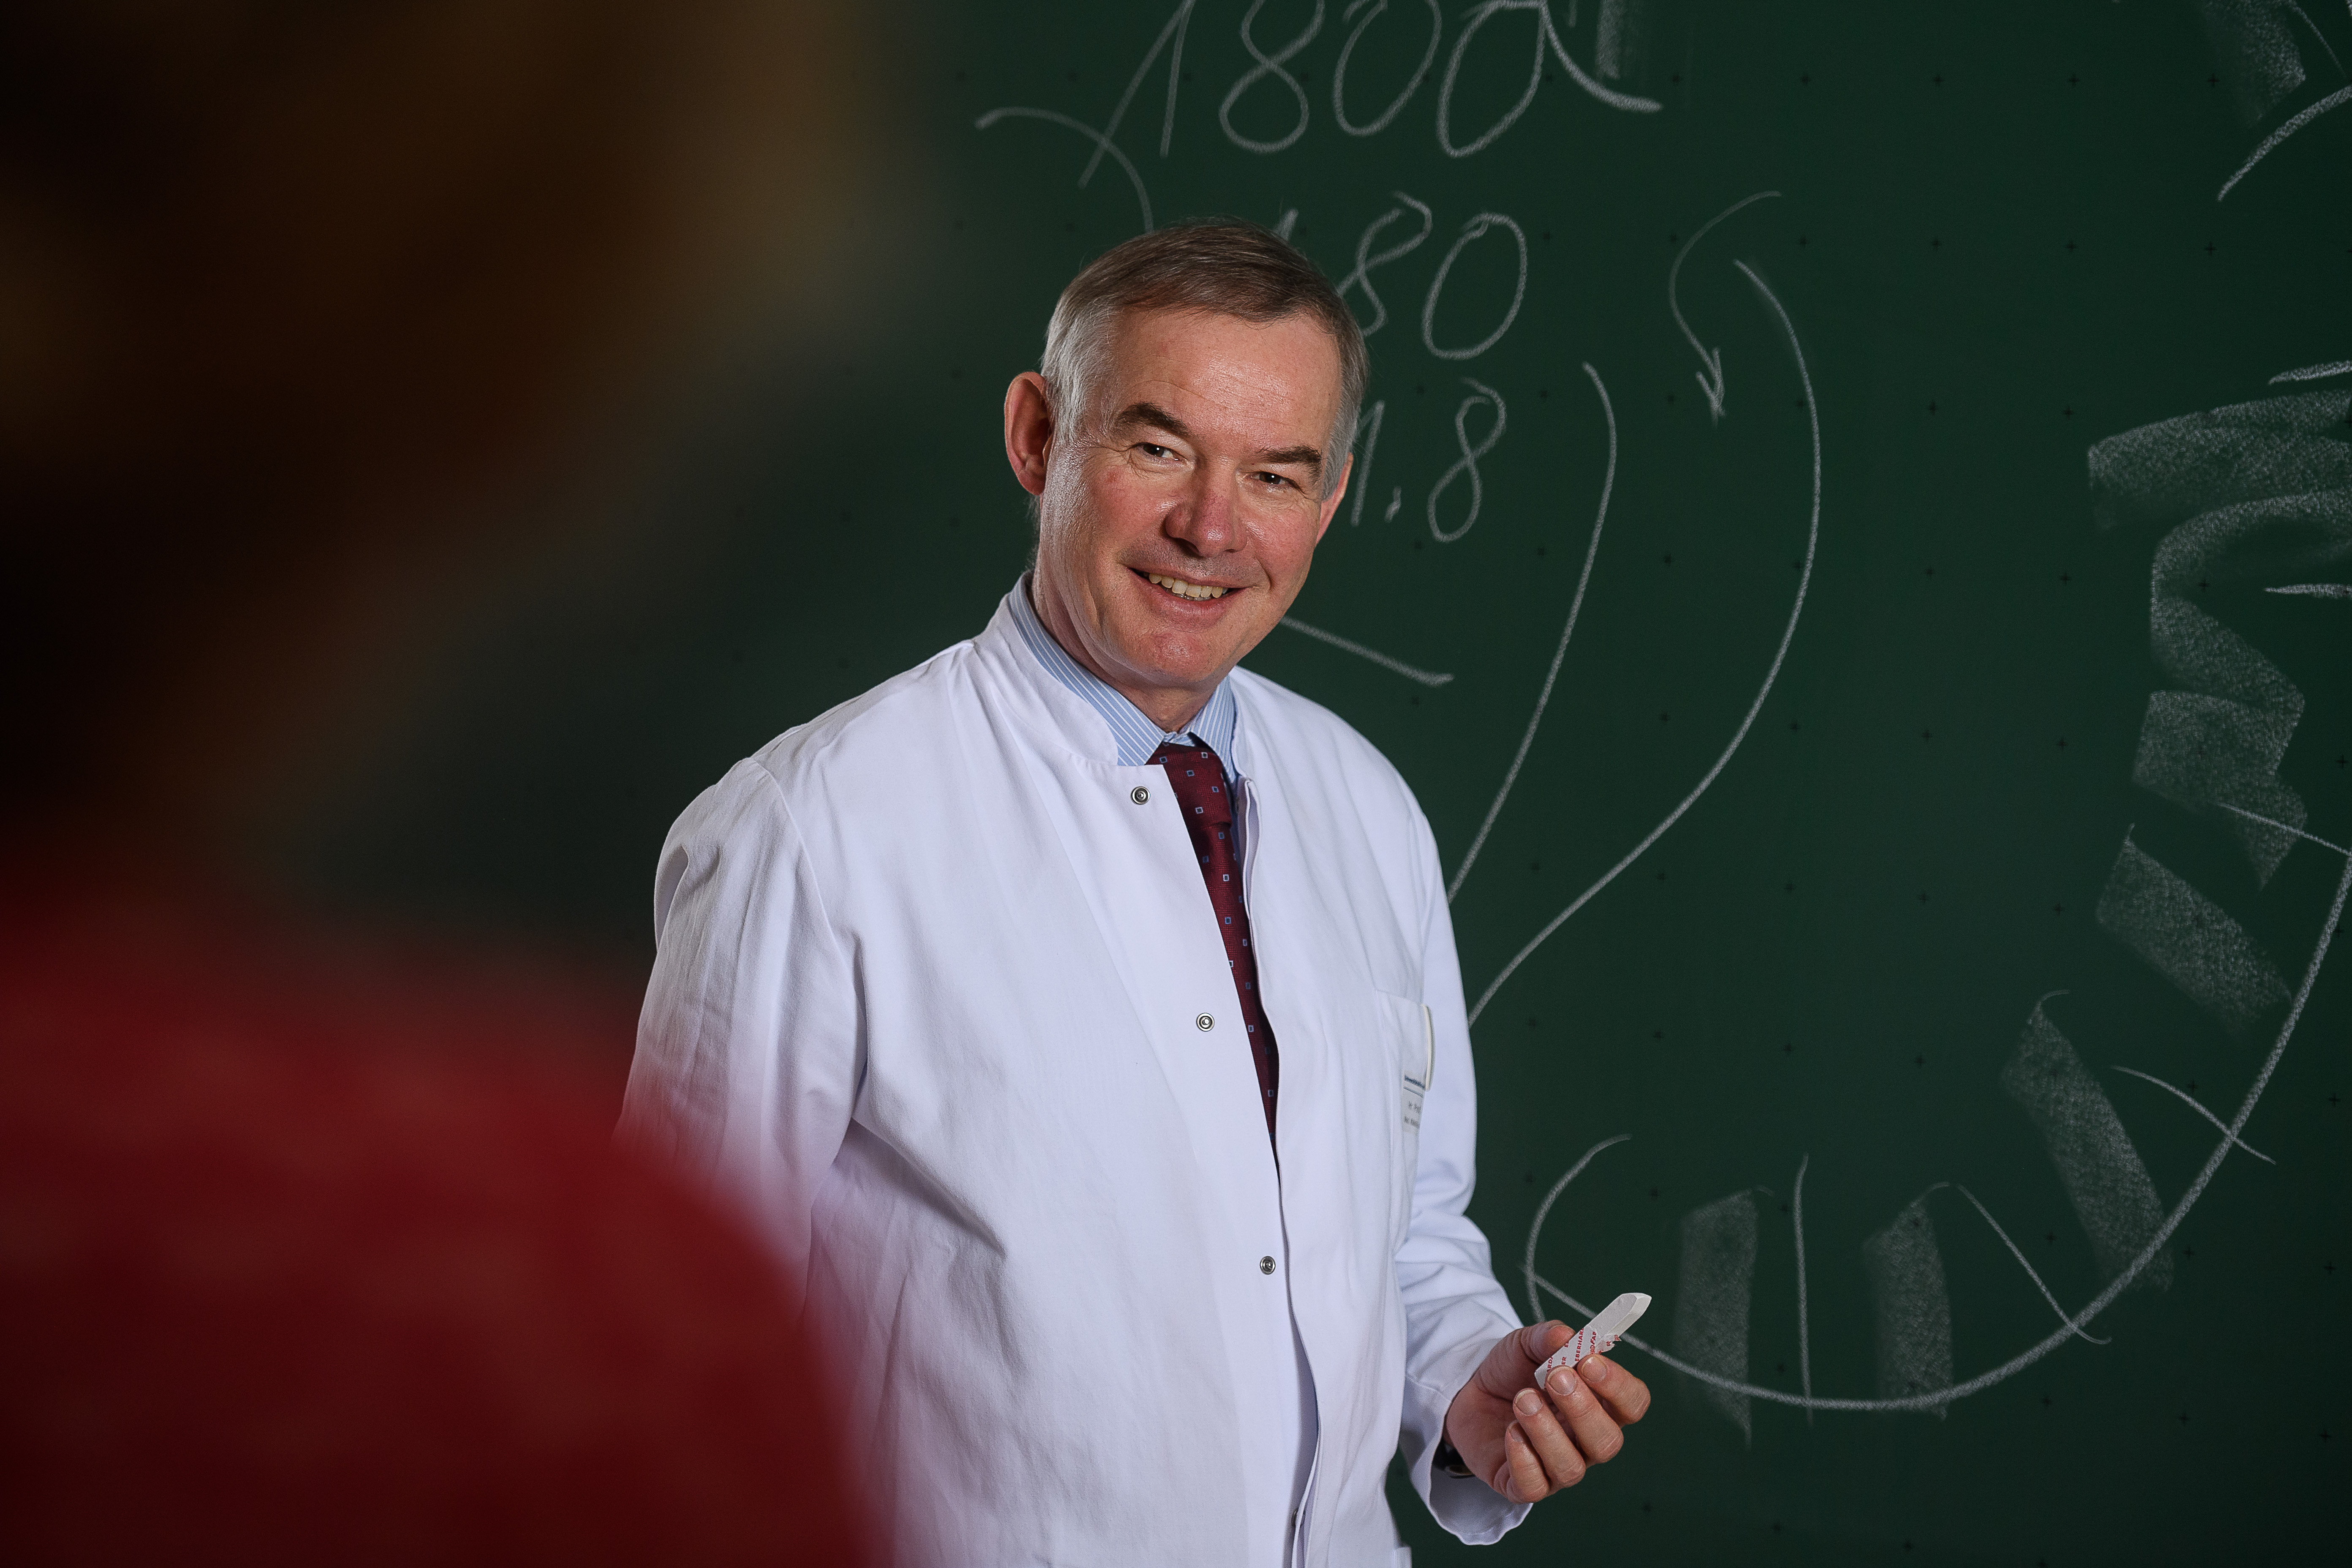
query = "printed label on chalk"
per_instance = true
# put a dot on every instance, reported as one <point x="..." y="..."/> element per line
<point x="1602" y="1333"/>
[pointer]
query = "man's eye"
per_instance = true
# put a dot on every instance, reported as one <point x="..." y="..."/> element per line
<point x="1272" y="480"/>
<point x="1152" y="449"/>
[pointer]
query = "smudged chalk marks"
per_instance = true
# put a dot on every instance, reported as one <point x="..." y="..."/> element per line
<point x="2249" y="493"/>
<point x="2283" y="827"/>
<point x="2189" y="940"/>
<point x="1627" y="101"/>
<point x="2334" y="101"/>
<point x="2175" y="469"/>
<point x="1546" y="39"/>
<point x="2105" y="1182"/>
<point x="1994" y="1376"/>
<point x="2315" y="372"/>
<point x="1617" y="37"/>
<point x="2254" y="45"/>
<point x="1912" y="1308"/>
<point x="2198" y="751"/>
<point x="1712" y="1301"/>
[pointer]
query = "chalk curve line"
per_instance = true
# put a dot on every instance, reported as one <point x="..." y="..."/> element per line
<point x="1102" y="145"/>
<point x="1386" y="661"/>
<point x="2336" y="100"/>
<point x="1560" y="653"/>
<point x="2073" y="1325"/>
<point x="1711" y="380"/>
<point x="1779" y="656"/>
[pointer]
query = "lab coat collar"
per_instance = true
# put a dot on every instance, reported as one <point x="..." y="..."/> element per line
<point x="1134" y="738"/>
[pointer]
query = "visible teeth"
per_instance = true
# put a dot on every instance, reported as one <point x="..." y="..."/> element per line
<point x="1184" y="590"/>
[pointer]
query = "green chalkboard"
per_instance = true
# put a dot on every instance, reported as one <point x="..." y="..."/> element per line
<point x="1849" y="544"/>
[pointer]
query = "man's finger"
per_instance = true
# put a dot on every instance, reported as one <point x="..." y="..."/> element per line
<point x="1511" y="1364"/>
<point x="1625" y="1397"/>
<point x="1522" y="1478"/>
<point x="1563" y="1463"/>
<point x="1595" y="1431"/>
<point x="1538" y="1340"/>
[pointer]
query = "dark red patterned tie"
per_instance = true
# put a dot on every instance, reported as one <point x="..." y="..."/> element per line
<point x="1208" y="808"/>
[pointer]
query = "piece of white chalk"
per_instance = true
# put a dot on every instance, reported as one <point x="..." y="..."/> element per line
<point x="1602" y="1333"/>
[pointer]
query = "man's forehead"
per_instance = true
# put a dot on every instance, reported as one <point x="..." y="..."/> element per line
<point x="1284" y="368"/>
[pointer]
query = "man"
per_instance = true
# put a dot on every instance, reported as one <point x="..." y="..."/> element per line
<point x="1136" y="1214"/>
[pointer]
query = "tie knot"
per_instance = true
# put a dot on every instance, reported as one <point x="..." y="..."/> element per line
<point x="1199" y="781"/>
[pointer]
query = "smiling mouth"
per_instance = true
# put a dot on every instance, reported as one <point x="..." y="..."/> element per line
<point x="1177" y="585"/>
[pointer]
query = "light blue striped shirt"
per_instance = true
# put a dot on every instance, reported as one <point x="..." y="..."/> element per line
<point x="1135" y="736"/>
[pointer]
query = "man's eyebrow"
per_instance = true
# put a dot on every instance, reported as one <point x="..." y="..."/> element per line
<point x="1307" y="456"/>
<point x="1152" y="414"/>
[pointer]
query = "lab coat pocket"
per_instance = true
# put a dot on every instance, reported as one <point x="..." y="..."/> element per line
<point x="1408" y="1039"/>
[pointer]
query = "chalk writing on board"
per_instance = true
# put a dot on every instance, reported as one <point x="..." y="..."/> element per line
<point x="1545" y="40"/>
<point x="1617" y="27"/>
<point x="1381" y="121"/>
<point x="1763" y="690"/>
<point x="1710" y="380"/>
<point x="1361" y="277"/>
<point x="2210" y="742"/>
<point x="1270" y="67"/>
<point x="1102" y="145"/>
<point x="1471" y="232"/>
<point x="2267" y="60"/>
<point x="1418" y="677"/>
<point x="1481" y="395"/>
<point x="2334" y="101"/>
<point x="1559" y="652"/>
<point x="2244" y="493"/>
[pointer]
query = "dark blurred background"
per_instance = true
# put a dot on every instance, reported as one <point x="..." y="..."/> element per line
<point x="343" y="348"/>
<point x="340" y="348"/>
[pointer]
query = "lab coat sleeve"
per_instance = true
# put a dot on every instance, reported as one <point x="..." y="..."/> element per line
<point x="1454" y="1309"/>
<point x="748" y="1052"/>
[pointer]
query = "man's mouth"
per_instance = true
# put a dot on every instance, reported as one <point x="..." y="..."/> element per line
<point x="1184" y="590"/>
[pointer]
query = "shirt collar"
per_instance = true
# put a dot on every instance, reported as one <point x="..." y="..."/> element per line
<point x="1134" y="737"/>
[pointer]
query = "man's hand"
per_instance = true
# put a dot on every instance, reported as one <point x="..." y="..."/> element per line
<point x="1528" y="1446"/>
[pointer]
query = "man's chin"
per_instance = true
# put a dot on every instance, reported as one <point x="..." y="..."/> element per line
<point x="1170" y="662"/>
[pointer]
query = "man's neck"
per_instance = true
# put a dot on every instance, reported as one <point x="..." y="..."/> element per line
<point x="1171" y="708"/>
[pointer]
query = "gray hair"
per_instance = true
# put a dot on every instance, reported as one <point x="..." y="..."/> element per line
<point x="1227" y="267"/>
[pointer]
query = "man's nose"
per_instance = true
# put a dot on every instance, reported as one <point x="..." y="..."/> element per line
<point x="1205" y="518"/>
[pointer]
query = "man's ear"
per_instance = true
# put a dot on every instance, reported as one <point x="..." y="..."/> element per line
<point x="1338" y="493"/>
<point x="1028" y="430"/>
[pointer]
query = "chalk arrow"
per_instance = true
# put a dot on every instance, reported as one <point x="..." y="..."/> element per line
<point x="1710" y="380"/>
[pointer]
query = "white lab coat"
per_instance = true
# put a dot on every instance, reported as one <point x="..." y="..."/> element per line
<point x="927" y="1005"/>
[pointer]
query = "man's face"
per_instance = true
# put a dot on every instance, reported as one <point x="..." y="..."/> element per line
<point x="1176" y="527"/>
